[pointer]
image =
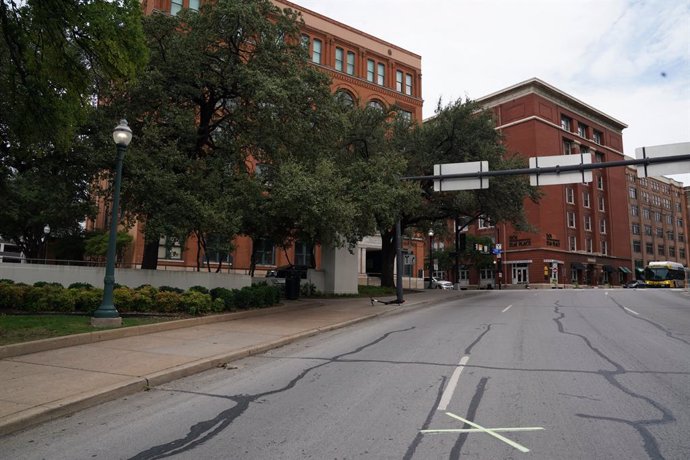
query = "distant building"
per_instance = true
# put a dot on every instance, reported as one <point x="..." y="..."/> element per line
<point x="658" y="214"/>
<point x="583" y="230"/>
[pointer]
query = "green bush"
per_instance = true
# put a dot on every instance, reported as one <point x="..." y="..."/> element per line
<point x="168" y="301"/>
<point x="196" y="303"/>
<point x="80" y="286"/>
<point x="48" y="297"/>
<point x="6" y="281"/>
<point x="308" y="290"/>
<point x="13" y="296"/>
<point x="145" y="298"/>
<point x="225" y="295"/>
<point x="218" y="306"/>
<point x="201" y="289"/>
<point x="123" y="298"/>
<point x="171" y="289"/>
<point x="242" y="297"/>
<point x="46" y="283"/>
<point x="86" y="300"/>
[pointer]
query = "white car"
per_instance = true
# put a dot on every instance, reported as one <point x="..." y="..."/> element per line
<point x="438" y="284"/>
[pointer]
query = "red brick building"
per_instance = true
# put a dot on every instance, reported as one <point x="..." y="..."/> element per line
<point x="363" y="69"/>
<point x="582" y="232"/>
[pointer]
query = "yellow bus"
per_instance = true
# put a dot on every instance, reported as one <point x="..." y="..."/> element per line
<point x="664" y="274"/>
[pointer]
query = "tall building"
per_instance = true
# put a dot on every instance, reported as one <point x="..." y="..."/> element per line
<point x="582" y="231"/>
<point x="658" y="213"/>
<point x="364" y="70"/>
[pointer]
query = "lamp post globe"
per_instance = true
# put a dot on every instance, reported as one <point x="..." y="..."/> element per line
<point x="107" y="315"/>
<point x="46" y="232"/>
<point x="431" y="260"/>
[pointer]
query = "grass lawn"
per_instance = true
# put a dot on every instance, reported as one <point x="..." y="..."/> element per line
<point x="25" y="328"/>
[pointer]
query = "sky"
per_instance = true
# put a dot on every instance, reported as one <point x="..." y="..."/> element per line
<point x="627" y="58"/>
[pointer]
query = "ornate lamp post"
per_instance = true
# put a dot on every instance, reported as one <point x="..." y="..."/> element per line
<point x="431" y="257"/>
<point x="46" y="232"/>
<point x="107" y="315"/>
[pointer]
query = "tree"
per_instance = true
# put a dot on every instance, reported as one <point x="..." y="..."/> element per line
<point x="226" y="88"/>
<point x="459" y="132"/>
<point x="55" y="55"/>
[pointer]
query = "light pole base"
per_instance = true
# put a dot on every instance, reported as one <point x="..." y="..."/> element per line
<point x="106" y="322"/>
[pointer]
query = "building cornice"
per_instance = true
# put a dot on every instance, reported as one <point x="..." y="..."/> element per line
<point x="558" y="97"/>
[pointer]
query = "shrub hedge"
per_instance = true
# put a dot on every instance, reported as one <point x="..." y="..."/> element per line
<point x="84" y="298"/>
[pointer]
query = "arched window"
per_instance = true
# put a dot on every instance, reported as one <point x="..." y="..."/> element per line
<point x="375" y="104"/>
<point x="345" y="98"/>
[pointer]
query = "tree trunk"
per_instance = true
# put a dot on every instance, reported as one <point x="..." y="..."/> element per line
<point x="150" y="259"/>
<point x="388" y="258"/>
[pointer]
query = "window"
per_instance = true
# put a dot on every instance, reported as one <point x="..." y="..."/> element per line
<point x="660" y="250"/>
<point x="679" y="223"/>
<point x="464" y="274"/>
<point x="599" y="157"/>
<point x="646" y="213"/>
<point x="339" y="54"/>
<point x="572" y="243"/>
<point x="566" y="122"/>
<point x="659" y="232"/>
<point x="602" y="206"/>
<point x="582" y="130"/>
<point x="175" y="7"/>
<point x="305" y="41"/>
<point x="657" y="216"/>
<point x="350" y="63"/>
<point x="405" y="115"/>
<point x="589" y="246"/>
<point x="632" y="193"/>
<point x="568" y="147"/>
<point x="681" y="237"/>
<point x="484" y="222"/>
<point x="399" y="81"/>
<point x="194" y="5"/>
<point x="669" y="219"/>
<point x="375" y="104"/>
<point x="648" y="230"/>
<point x="588" y="223"/>
<point x="345" y="98"/>
<point x="408" y="84"/>
<point x="370" y="70"/>
<point x="265" y="254"/>
<point x="634" y="210"/>
<point x="637" y="247"/>
<point x="604" y="247"/>
<point x="571" y="219"/>
<point x="602" y="226"/>
<point x="681" y="253"/>
<point x="302" y="253"/>
<point x="672" y="251"/>
<point x="597" y="136"/>
<point x="635" y="229"/>
<point x="649" y="248"/>
<point x="600" y="182"/>
<point x="316" y="51"/>
<point x="381" y="76"/>
<point x="570" y="195"/>
<point x="486" y="273"/>
<point x="585" y="199"/>
<point x="169" y="248"/>
<point x="584" y="149"/>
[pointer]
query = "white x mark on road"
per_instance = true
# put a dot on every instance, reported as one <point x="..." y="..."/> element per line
<point x="490" y="431"/>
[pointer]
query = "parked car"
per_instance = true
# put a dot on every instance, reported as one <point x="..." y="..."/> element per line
<point x="438" y="284"/>
<point x="279" y="275"/>
<point x="635" y="284"/>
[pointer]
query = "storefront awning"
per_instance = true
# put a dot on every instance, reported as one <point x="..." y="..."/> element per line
<point x="639" y="270"/>
<point x="624" y="269"/>
<point x="607" y="268"/>
<point x="577" y="266"/>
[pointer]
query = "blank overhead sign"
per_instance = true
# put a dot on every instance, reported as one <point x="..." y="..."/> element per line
<point x="667" y="150"/>
<point x="557" y="177"/>
<point x="460" y="183"/>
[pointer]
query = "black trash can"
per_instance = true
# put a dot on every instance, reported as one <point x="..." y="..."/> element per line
<point x="292" y="285"/>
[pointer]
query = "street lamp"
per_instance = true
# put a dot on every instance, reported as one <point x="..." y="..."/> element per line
<point x="107" y="315"/>
<point x="431" y="255"/>
<point x="46" y="232"/>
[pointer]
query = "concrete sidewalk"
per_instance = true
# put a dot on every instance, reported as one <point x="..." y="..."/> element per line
<point x="51" y="378"/>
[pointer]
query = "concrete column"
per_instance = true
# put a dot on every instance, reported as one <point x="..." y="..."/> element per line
<point x="340" y="270"/>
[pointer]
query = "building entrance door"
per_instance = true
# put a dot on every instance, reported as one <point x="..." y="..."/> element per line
<point x="520" y="274"/>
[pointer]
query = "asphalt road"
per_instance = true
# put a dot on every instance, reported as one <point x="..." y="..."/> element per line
<point x="545" y="374"/>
